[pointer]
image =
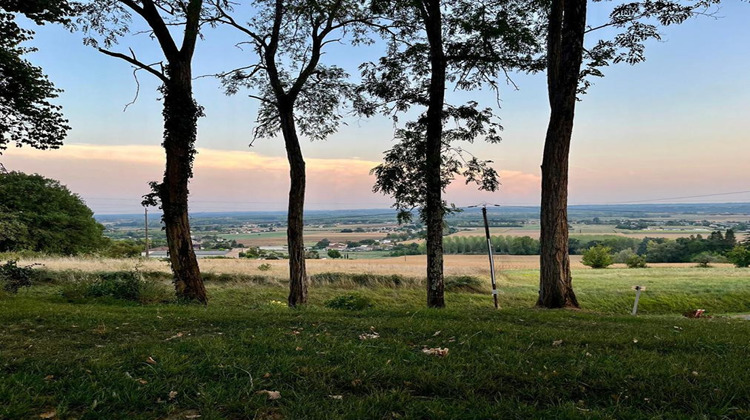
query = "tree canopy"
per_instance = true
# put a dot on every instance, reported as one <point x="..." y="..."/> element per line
<point x="26" y="114"/>
<point x="40" y="214"/>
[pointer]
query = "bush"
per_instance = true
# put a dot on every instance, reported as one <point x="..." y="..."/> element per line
<point x="120" y="285"/>
<point x="363" y="280"/>
<point x="704" y="259"/>
<point x="333" y="253"/>
<point x="264" y="267"/>
<point x="353" y="302"/>
<point x="636" y="261"/>
<point x="622" y="257"/>
<point x="739" y="256"/>
<point x="599" y="256"/>
<point x="13" y="277"/>
<point x="464" y="284"/>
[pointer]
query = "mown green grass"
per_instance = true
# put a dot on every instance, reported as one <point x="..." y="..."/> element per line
<point x="90" y="360"/>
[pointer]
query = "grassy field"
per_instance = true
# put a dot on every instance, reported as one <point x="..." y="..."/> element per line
<point x="107" y="358"/>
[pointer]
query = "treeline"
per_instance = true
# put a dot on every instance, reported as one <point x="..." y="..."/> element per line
<point x="653" y="249"/>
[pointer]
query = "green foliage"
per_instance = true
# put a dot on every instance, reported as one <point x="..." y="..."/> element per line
<point x="264" y="267"/>
<point x="636" y="261"/>
<point x="26" y="115"/>
<point x="353" y="302"/>
<point x="13" y="277"/>
<point x="706" y="258"/>
<point x="322" y="244"/>
<point x="739" y="256"/>
<point x="469" y="284"/>
<point x="119" y="285"/>
<point x="44" y="216"/>
<point x="123" y="249"/>
<point x="599" y="256"/>
<point x="334" y="253"/>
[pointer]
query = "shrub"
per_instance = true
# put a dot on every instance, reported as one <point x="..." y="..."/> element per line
<point x="264" y="267"/>
<point x="622" y="257"/>
<point x="739" y="256"/>
<point x="464" y="284"/>
<point x="704" y="259"/>
<point x="120" y="285"/>
<point x="13" y="277"/>
<point x="598" y="256"/>
<point x="365" y="280"/>
<point x="352" y="302"/>
<point x="636" y="261"/>
<point x="333" y="253"/>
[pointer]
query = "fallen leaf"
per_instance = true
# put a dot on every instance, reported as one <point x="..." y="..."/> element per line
<point x="635" y="340"/>
<point x="172" y="395"/>
<point x="178" y="335"/>
<point x="336" y="397"/>
<point x="267" y="375"/>
<point x="49" y="377"/>
<point x="437" y="351"/>
<point x="48" y="415"/>
<point x="271" y="395"/>
<point x="557" y="342"/>
<point x="437" y="333"/>
<point x="695" y="373"/>
<point x="299" y="349"/>
<point x="141" y="381"/>
<point x="150" y="360"/>
<point x="367" y="336"/>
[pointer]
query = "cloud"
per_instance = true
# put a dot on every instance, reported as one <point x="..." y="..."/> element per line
<point x="112" y="179"/>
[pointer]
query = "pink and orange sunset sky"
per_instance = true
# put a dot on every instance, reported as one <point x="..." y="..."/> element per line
<point x="677" y="125"/>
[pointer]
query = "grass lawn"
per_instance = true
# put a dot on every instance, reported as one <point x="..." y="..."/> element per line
<point x="116" y="359"/>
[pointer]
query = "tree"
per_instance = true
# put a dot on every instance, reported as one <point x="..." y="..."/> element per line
<point x="333" y="253"/>
<point x="598" y="256"/>
<point x="468" y="43"/>
<point x="565" y="79"/>
<point x="26" y="115"/>
<point x="42" y="215"/>
<point x="704" y="259"/>
<point x="298" y="94"/>
<point x="109" y="19"/>
<point x="739" y="256"/>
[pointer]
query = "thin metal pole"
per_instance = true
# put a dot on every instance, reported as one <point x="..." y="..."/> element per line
<point x="146" y="215"/>
<point x="489" y="253"/>
<point x="637" y="297"/>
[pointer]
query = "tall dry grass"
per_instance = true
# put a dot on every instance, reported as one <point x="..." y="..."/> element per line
<point x="409" y="266"/>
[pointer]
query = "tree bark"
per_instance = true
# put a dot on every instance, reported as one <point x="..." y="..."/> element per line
<point x="565" y="48"/>
<point x="295" y="224"/>
<point x="434" y="209"/>
<point x="180" y="127"/>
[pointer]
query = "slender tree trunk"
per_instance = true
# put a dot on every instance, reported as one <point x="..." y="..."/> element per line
<point x="565" y="49"/>
<point x="434" y="209"/>
<point x="295" y="223"/>
<point x="180" y="126"/>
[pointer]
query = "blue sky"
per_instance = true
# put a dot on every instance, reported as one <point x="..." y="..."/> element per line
<point x="676" y="125"/>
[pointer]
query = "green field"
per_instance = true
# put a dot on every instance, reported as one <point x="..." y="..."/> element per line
<point x="106" y="358"/>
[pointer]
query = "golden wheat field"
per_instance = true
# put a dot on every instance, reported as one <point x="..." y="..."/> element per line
<point x="411" y="266"/>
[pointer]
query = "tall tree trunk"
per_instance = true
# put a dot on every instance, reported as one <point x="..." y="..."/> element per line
<point x="180" y="125"/>
<point x="295" y="223"/>
<point x="565" y="48"/>
<point x="434" y="209"/>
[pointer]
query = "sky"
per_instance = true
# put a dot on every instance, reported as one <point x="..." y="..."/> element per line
<point x="674" y="126"/>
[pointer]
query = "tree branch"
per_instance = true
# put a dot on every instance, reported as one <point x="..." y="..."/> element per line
<point x="134" y="61"/>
